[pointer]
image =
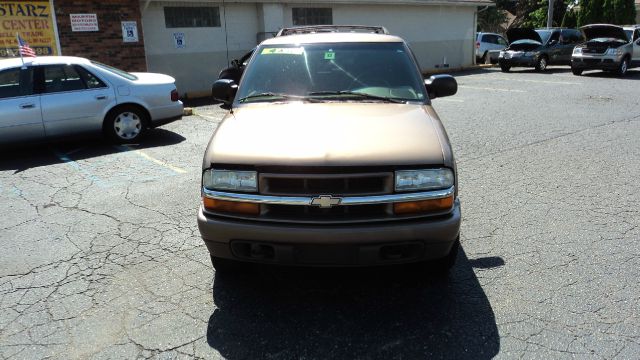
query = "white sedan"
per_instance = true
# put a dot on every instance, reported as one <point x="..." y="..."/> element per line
<point x="55" y="96"/>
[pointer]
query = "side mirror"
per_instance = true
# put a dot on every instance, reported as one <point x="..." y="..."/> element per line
<point x="441" y="86"/>
<point x="224" y="90"/>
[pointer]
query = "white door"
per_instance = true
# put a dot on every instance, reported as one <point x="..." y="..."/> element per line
<point x="20" y="113"/>
<point x="71" y="102"/>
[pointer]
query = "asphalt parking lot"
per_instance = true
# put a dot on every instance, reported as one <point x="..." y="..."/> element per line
<point x="101" y="255"/>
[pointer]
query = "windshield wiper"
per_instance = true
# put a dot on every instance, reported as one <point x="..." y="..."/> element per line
<point x="359" y="95"/>
<point x="277" y="97"/>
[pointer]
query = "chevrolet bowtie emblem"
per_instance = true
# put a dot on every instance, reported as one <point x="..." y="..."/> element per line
<point x="326" y="201"/>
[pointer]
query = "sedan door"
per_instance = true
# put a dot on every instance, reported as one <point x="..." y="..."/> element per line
<point x="73" y="100"/>
<point x="21" y="118"/>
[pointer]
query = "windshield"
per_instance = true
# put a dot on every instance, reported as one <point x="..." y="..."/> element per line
<point x="335" y="71"/>
<point x="116" y="71"/>
<point x="544" y="35"/>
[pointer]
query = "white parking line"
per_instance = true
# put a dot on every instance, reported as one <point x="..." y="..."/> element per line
<point x="490" y="89"/>
<point x="152" y="159"/>
<point x="450" y="100"/>
<point x="540" y="81"/>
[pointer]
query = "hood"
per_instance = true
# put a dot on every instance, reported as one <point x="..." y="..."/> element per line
<point x="327" y="134"/>
<point x="153" y="78"/>
<point x="604" y="31"/>
<point x="516" y="34"/>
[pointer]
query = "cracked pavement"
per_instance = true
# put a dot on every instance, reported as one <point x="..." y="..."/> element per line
<point x="102" y="259"/>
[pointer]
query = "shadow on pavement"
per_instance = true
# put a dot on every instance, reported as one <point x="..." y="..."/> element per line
<point x="631" y="75"/>
<point x="26" y="156"/>
<point x="353" y="313"/>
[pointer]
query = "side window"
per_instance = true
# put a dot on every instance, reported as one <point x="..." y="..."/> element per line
<point x="489" y="38"/>
<point x="502" y="41"/>
<point x="90" y="80"/>
<point x="10" y="83"/>
<point x="636" y="35"/>
<point x="555" y="37"/>
<point x="60" y="78"/>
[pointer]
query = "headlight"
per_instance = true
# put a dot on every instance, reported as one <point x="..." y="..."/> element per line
<point x="612" y="51"/>
<point x="245" y="181"/>
<point x="577" y="51"/>
<point x="429" y="179"/>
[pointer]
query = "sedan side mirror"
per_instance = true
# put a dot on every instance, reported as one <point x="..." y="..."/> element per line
<point x="224" y="90"/>
<point x="441" y="86"/>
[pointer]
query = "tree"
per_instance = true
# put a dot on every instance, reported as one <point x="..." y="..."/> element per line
<point x="619" y="12"/>
<point x="492" y="20"/>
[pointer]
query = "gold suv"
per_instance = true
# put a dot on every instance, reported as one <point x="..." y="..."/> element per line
<point x="331" y="155"/>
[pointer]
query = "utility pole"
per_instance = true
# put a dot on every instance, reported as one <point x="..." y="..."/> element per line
<point x="550" y="14"/>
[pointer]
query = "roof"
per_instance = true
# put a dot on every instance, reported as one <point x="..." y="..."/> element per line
<point x="331" y="38"/>
<point x="42" y="60"/>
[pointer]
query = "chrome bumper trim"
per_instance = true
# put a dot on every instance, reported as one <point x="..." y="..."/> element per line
<point x="347" y="200"/>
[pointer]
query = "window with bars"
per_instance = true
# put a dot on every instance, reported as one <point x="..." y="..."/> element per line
<point x="186" y="17"/>
<point x="312" y="16"/>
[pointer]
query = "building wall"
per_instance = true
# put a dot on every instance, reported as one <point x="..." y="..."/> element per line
<point x="105" y="45"/>
<point x="206" y="51"/>
<point x="438" y="34"/>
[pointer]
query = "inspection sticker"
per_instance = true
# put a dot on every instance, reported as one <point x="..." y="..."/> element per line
<point x="290" y="51"/>
<point x="329" y="55"/>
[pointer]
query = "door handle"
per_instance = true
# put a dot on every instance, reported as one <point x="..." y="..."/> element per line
<point x="27" y="106"/>
<point x="101" y="97"/>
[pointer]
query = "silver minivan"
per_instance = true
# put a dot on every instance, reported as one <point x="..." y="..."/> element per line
<point x="488" y="46"/>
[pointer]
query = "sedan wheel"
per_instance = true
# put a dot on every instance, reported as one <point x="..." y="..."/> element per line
<point x="541" y="65"/>
<point x="125" y="124"/>
<point x="624" y="66"/>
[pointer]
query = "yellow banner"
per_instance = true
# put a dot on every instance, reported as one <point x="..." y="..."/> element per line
<point x="33" y="20"/>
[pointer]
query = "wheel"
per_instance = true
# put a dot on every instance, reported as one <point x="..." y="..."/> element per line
<point x="624" y="66"/>
<point x="125" y="124"/>
<point x="541" y="64"/>
<point x="505" y="68"/>
<point x="483" y="58"/>
<point x="576" y="71"/>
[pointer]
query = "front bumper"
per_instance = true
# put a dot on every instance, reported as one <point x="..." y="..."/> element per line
<point x="526" y="61"/>
<point x="360" y="244"/>
<point x="595" y="62"/>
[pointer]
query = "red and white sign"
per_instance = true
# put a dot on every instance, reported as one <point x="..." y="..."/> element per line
<point x="84" y="22"/>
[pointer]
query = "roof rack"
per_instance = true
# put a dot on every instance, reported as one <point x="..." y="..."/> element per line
<point x="332" y="29"/>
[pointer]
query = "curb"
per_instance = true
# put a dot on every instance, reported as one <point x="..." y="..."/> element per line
<point x="456" y="69"/>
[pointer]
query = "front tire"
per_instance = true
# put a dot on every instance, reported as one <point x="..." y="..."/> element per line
<point x="441" y="267"/>
<point x="624" y="66"/>
<point x="576" y="71"/>
<point x="505" y="67"/>
<point x="541" y="64"/>
<point x="125" y="124"/>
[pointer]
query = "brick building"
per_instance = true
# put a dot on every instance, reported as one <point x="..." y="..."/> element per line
<point x="106" y="44"/>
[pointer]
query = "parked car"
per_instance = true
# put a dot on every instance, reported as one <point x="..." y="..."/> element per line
<point x="538" y="48"/>
<point x="608" y="47"/>
<point x="55" y="96"/>
<point x="487" y="44"/>
<point x="234" y="72"/>
<point x="332" y="155"/>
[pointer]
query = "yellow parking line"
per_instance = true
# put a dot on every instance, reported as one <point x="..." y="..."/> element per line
<point x="154" y="160"/>
<point x="490" y="89"/>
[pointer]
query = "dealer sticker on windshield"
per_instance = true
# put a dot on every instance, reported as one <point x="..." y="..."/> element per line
<point x="329" y="55"/>
<point x="289" y="51"/>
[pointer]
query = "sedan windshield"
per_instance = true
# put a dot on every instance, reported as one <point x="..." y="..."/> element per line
<point x="332" y="72"/>
<point x="544" y="35"/>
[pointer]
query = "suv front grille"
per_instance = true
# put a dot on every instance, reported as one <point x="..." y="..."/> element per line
<point x="310" y="185"/>
<point x="331" y="184"/>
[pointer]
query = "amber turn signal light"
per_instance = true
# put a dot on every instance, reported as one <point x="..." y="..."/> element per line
<point x="423" y="206"/>
<point x="235" y="207"/>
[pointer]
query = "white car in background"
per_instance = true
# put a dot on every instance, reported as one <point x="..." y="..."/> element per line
<point x="56" y="96"/>
<point x="488" y="46"/>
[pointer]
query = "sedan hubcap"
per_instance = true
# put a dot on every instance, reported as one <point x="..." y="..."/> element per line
<point x="543" y="64"/>
<point x="623" y="68"/>
<point x="127" y="125"/>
